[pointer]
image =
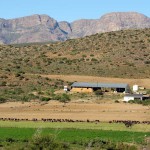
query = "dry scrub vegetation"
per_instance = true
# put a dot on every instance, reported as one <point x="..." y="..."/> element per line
<point x="28" y="71"/>
<point x="124" y="54"/>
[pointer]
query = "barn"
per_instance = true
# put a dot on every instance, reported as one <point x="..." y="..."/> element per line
<point x="106" y="87"/>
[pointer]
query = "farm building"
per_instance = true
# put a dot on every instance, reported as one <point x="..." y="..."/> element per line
<point x="106" y="87"/>
<point x="129" y="97"/>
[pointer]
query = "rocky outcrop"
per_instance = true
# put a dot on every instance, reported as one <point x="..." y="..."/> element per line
<point x="65" y="27"/>
<point x="110" y="22"/>
<point x="36" y="28"/>
<point x="42" y="28"/>
<point x="123" y="20"/>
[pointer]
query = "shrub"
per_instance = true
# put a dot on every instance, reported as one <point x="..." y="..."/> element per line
<point x="92" y="55"/>
<point x="147" y="62"/>
<point x="116" y="101"/>
<point x="98" y="92"/>
<point x="2" y="100"/>
<point x="45" y="98"/>
<point x="62" y="98"/>
<point x="109" y="145"/>
<point x="46" y="143"/>
<point x="84" y="56"/>
<point x="94" y="59"/>
<point x="10" y="140"/>
<point x="25" y="98"/>
<point x="65" y="98"/>
<point x="3" y="83"/>
<point x="143" y="102"/>
<point x="17" y="75"/>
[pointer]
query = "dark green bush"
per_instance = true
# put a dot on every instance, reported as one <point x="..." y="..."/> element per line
<point x="147" y="62"/>
<point x="98" y="92"/>
<point x="46" y="143"/>
<point x="116" y="101"/>
<point x="62" y="98"/>
<point x="2" y="100"/>
<point x="3" y="83"/>
<point x="143" y="102"/>
<point x="94" y="59"/>
<point x="45" y="98"/>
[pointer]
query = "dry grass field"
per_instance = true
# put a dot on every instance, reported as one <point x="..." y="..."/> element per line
<point x="75" y="110"/>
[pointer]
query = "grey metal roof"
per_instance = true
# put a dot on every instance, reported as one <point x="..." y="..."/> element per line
<point x="134" y="95"/>
<point x="95" y="85"/>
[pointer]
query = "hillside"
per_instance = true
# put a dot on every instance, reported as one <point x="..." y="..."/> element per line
<point x="115" y="54"/>
<point x="121" y="54"/>
<point x="42" y="28"/>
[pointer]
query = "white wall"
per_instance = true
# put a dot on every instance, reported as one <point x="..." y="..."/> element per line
<point x="126" y="98"/>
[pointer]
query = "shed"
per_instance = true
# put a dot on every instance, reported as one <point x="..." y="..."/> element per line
<point x="90" y="87"/>
<point x="129" y="97"/>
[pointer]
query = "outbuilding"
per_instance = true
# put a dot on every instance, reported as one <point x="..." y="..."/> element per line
<point x="129" y="97"/>
<point x="91" y="87"/>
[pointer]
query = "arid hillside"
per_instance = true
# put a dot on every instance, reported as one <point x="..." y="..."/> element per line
<point x="122" y="54"/>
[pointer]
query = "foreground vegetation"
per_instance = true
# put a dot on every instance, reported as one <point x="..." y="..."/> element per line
<point x="70" y="138"/>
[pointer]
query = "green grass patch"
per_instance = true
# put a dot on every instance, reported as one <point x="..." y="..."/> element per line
<point x="76" y="125"/>
<point x="73" y="135"/>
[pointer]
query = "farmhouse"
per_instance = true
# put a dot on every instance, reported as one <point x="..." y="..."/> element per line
<point x="106" y="87"/>
<point x="129" y="97"/>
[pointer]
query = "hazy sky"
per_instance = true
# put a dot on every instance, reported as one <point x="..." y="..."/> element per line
<point x="70" y="10"/>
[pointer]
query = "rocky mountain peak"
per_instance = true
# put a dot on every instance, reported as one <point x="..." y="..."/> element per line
<point x="34" y="20"/>
<point x="124" y="20"/>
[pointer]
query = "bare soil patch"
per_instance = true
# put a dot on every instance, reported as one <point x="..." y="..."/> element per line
<point x="75" y="110"/>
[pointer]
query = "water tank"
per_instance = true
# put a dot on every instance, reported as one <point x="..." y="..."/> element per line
<point x="65" y="88"/>
<point x="135" y="88"/>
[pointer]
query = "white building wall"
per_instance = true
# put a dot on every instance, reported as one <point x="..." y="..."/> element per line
<point x="126" y="98"/>
<point x="135" y="88"/>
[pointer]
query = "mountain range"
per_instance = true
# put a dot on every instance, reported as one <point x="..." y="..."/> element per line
<point x="42" y="28"/>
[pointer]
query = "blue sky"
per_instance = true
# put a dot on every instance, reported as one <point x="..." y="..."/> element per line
<point x="70" y="10"/>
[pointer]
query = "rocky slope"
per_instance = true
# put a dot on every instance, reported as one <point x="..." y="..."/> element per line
<point x="42" y="28"/>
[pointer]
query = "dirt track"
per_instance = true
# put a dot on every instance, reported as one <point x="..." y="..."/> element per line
<point x="72" y="78"/>
<point x="73" y="110"/>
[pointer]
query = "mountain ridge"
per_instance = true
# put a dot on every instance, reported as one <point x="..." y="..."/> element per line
<point x="43" y="28"/>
